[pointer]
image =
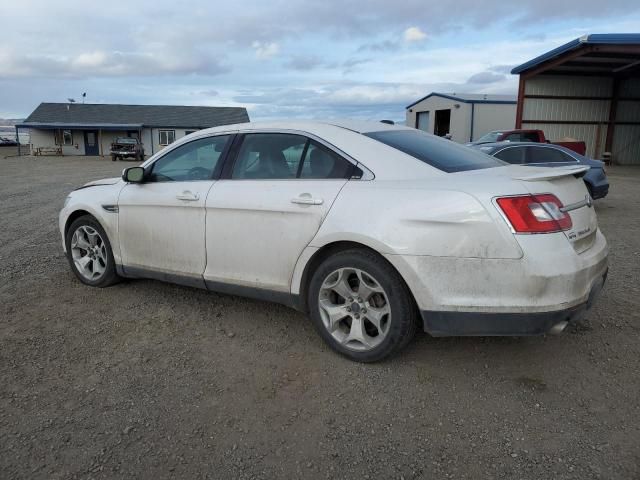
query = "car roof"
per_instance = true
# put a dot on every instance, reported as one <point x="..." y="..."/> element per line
<point x="311" y="126"/>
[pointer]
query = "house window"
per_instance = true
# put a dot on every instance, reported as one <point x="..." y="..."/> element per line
<point x="167" y="137"/>
<point x="189" y="132"/>
<point x="63" y="137"/>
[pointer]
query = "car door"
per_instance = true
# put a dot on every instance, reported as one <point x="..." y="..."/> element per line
<point x="548" y="156"/>
<point x="161" y="221"/>
<point x="269" y="207"/>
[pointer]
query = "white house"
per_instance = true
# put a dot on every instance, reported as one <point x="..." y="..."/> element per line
<point x="89" y="129"/>
<point x="466" y="117"/>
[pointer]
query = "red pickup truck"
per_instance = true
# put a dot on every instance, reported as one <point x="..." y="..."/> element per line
<point x="528" y="136"/>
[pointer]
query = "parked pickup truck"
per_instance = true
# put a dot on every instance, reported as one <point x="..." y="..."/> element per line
<point x="527" y="136"/>
<point x="127" y="147"/>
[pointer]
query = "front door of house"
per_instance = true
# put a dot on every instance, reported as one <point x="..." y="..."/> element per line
<point x="91" y="142"/>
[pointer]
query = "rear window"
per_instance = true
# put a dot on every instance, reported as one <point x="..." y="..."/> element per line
<point x="439" y="153"/>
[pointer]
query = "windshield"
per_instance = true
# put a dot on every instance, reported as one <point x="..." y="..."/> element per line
<point x="125" y="140"/>
<point x="489" y="137"/>
<point x="439" y="153"/>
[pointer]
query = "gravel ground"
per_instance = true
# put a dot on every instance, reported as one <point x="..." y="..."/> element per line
<point x="151" y="380"/>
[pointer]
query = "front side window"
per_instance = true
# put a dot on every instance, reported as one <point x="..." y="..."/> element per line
<point x="167" y="137"/>
<point x="442" y="154"/>
<point x="513" y="155"/>
<point x="195" y="160"/>
<point x="547" y="155"/>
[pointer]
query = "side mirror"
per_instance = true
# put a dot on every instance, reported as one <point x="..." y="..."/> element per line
<point x="133" y="174"/>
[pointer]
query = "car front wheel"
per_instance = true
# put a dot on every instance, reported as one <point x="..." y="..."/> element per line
<point x="361" y="306"/>
<point x="89" y="253"/>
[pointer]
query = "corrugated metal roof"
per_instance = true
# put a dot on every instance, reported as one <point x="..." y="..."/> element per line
<point x="593" y="39"/>
<point x="145" y="115"/>
<point x="470" y="98"/>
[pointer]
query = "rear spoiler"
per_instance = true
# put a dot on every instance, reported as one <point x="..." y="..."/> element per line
<point x="553" y="172"/>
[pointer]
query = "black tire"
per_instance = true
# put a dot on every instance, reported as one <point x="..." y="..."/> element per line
<point x="404" y="316"/>
<point x="109" y="276"/>
<point x="113" y="158"/>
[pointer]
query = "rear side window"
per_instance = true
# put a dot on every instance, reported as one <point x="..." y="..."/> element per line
<point x="274" y="156"/>
<point x="320" y="162"/>
<point x="530" y="137"/>
<point x="281" y="156"/>
<point x="547" y="155"/>
<point x="512" y="155"/>
<point x="442" y="154"/>
<point x="513" y="137"/>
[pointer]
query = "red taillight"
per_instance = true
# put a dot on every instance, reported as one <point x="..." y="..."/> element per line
<point x="535" y="213"/>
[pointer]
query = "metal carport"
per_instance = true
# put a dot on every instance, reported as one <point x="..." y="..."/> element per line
<point x="587" y="89"/>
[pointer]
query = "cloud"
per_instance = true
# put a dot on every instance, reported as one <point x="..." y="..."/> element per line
<point x="208" y="93"/>
<point x="383" y="46"/>
<point x="303" y="62"/>
<point x="105" y="64"/>
<point x="350" y="64"/>
<point x="414" y="34"/>
<point x="265" y="51"/>
<point x="485" y="78"/>
<point x="502" y="68"/>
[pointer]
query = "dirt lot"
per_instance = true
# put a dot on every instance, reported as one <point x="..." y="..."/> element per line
<point x="151" y="380"/>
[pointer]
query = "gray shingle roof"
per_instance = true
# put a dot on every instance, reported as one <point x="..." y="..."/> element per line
<point x="146" y="115"/>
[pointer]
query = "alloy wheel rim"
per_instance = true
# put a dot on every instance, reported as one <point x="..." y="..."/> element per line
<point x="354" y="309"/>
<point x="89" y="252"/>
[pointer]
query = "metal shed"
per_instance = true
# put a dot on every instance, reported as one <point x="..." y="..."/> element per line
<point x="587" y="89"/>
<point x="465" y="117"/>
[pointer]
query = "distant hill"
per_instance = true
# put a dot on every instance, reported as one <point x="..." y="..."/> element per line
<point x="10" y="122"/>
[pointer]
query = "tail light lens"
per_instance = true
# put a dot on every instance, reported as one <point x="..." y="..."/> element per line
<point x="535" y="213"/>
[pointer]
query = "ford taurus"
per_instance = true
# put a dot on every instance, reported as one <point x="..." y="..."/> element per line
<point x="374" y="230"/>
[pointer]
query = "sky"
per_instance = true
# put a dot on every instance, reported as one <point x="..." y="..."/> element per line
<point x="282" y="59"/>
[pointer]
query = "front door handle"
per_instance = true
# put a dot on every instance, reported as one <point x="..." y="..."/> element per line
<point x="188" y="196"/>
<point x="306" y="199"/>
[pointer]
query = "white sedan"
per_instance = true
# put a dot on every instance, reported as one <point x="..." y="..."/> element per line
<point x="372" y="229"/>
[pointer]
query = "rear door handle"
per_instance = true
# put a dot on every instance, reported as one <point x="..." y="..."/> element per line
<point x="188" y="196"/>
<point x="307" y="199"/>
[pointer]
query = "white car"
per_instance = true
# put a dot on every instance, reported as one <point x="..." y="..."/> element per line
<point x="372" y="229"/>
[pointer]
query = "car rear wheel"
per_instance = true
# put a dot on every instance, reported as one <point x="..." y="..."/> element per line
<point x="89" y="253"/>
<point x="361" y="306"/>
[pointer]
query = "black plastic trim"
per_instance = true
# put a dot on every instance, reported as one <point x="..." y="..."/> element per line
<point x="454" y="324"/>
<point x="284" y="298"/>
<point x="137" y="272"/>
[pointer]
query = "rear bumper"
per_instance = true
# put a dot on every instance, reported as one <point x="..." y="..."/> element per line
<point x="123" y="153"/>
<point x="600" y="191"/>
<point x="525" y="296"/>
<point x="443" y="324"/>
